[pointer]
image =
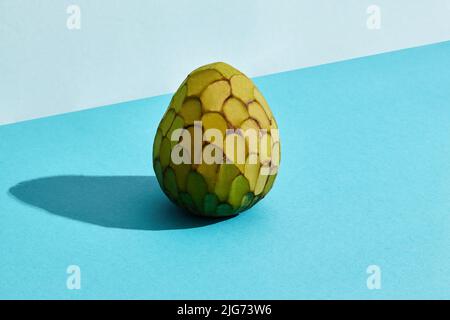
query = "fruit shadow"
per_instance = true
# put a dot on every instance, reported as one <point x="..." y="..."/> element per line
<point x="125" y="202"/>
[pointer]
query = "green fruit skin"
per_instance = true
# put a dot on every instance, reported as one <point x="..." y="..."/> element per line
<point x="225" y="189"/>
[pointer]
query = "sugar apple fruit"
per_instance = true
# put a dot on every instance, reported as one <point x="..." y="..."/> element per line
<point x="203" y="159"/>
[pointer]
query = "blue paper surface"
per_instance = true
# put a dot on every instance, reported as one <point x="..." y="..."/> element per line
<point x="364" y="180"/>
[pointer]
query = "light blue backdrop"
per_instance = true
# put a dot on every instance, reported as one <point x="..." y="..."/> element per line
<point x="136" y="48"/>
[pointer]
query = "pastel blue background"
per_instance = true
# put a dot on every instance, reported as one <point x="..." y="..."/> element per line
<point x="364" y="179"/>
<point x="133" y="49"/>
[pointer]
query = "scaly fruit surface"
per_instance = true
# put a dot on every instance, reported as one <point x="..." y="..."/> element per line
<point x="222" y="98"/>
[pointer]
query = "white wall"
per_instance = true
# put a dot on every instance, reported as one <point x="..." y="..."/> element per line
<point x="132" y="49"/>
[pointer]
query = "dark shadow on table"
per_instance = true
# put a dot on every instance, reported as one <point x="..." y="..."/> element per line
<point x="127" y="202"/>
